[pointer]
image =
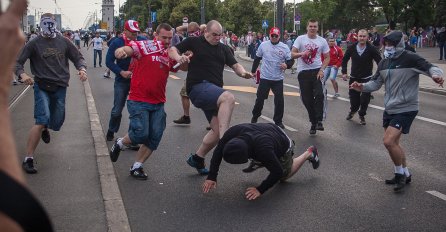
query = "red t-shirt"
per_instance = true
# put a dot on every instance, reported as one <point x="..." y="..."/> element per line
<point x="151" y="66"/>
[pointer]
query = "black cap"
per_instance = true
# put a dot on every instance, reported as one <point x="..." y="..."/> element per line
<point x="236" y="151"/>
<point x="394" y="37"/>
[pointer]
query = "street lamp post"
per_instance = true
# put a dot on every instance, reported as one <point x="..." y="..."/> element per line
<point x="203" y="21"/>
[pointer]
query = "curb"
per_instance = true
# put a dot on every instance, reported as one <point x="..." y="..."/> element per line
<point x="422" y="89"/>
<point x="116" y="216"/>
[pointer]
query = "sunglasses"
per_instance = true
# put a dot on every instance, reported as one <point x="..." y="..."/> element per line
<point x="275" y="36"/>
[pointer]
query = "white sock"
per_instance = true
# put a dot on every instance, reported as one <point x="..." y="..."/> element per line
<point x="399" y="169"/>
<point x="28" y="157"/>
<point x="136" y="165"/>
<point x="406" y="171"/>
<point x="121" y="145"/>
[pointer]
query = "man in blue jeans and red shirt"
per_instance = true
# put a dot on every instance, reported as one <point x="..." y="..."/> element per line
<point x="147" y="96"/>
<point x="123" y="74"/>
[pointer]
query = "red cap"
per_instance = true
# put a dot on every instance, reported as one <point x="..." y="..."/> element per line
<point x="131" y="25"/>
<point x="274" y="31"/>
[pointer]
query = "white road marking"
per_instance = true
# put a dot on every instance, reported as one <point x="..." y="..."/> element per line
<point x="437" y="194"/>
<point x="271" y="120"/>
<point x="370" y="105"/>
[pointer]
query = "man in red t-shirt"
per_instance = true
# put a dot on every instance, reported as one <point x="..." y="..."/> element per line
<point x="147" y="96"/>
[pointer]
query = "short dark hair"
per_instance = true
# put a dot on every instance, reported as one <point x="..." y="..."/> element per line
<point x="164" y="26"/>
<point x="312" y="21"/>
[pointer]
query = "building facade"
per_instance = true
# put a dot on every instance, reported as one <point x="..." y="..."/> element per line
<point x="108" y="10"/>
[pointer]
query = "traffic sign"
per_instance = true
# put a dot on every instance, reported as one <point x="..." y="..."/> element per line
<point x="264" y="24"/>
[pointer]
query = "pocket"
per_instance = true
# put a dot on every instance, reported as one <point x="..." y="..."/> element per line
<point x="136" y="124"/>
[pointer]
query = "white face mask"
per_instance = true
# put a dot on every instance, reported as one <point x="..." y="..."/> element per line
<point x="48" y="26"/>
<point x="389" y="51"/>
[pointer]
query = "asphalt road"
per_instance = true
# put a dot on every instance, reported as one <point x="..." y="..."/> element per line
<point x="346" y="193"/>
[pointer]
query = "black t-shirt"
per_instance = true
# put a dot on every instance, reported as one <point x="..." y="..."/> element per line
<point x="207" y="62"/>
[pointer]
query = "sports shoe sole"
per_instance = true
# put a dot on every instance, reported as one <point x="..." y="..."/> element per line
<point x="315" y="162"/>
<point x="114" y="151"/>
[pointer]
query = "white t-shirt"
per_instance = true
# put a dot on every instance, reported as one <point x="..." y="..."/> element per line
<point x="272" y="57"/>
<point x="315" y="46"/>
<point x="76" y="36"/>
<point x="97" y="43"/>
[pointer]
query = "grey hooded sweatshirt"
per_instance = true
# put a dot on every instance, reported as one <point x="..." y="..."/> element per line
<point x="400" y="75"/>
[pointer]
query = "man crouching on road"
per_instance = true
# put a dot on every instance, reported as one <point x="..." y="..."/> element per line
<point x="147" y="96"/>
<point x="267" y="145"/>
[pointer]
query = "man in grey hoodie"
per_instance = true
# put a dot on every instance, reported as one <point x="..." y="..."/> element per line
<point x="399" y="72"/>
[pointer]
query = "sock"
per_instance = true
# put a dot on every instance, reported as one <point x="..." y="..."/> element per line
<point x="136" y="165"/>
<point x="186" y="116"/>
<point x="198" y="158"/>
<point x="406" y="171"/>
<point x="28" y="157"/>
<point x="121" y="145"/>
<point x="399" y="169"/>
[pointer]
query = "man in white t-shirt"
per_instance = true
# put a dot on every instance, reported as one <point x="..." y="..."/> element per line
<point x="276" y="57"/>
<point x="308" y="49"/>
<point x="77" y="39"/>
<point x="97" y="49"/>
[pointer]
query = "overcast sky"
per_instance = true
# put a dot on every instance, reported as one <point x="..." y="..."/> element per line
<point x="74" y="12"/>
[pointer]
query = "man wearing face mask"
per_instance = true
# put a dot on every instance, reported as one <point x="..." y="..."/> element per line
<point x="399" y="72"/>
<point x="49" y="54"/>
<point x="362" y="54"/>
<point x="276" y="58"/>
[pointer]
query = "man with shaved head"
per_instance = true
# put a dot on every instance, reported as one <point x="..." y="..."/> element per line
<point x="204" y="84"/>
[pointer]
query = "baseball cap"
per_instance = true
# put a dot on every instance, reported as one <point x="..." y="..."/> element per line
<point x="274" y="31"/>
<point x="131" y="25"/>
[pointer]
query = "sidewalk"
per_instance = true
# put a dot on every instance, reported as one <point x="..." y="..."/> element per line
<point x="426" y="83"/>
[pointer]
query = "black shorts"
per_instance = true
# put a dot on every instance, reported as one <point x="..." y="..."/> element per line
<point x="401" y="121"/>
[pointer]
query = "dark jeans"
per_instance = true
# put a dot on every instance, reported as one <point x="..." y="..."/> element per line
<point x="442" y="46"/>
<point x="312" y="94"/>
<point x="121" y="91"/>
<point x="359" y="100"/>
<point x="262" y="94"/>
<point x="97" y="53"/>
<point x="86" y="42"/>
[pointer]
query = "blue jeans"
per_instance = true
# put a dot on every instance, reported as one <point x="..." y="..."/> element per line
<point x="147" y="123"/>
<point x="121" y="91"/>
<point x="442" y="47"/>
<point x="49" y="108"/>
<point x="330" y="72"/>
<point x="95" y="54"/>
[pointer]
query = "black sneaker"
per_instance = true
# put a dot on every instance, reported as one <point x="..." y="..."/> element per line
<point x="320" y="126"/>
<point x="314" y="159"/>
<point x="133" y="147"/>
<point x="28" y="166"/>
<point x="138" y="173"/>
<point x="45" y="135"/>
<point x="110" y="135"/>
<point x="254" y="165"/>
<point x="350" y="115"/>
<point x="313" y="129"/>
<point x="400" y="182"/>
<point x="254" y="120"/>
<point x="362" y="120"/>
<point x="201" y="168"/>
<point x="208" y="128"/>
<point x="182" y="120"/>
<point x="280" y="125"/>
<point x="114" y="151"/>
<point x="392" y="181"/>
